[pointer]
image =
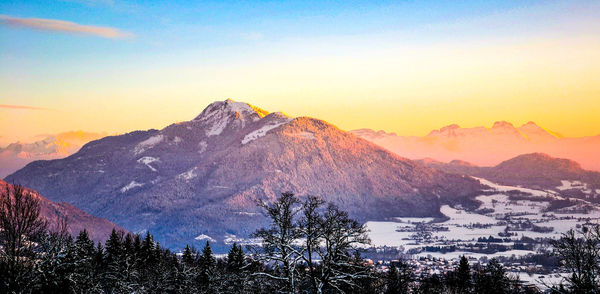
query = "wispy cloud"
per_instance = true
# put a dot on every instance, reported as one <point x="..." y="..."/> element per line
<point x="8" y="106"/>
<point x="63" y="27"/>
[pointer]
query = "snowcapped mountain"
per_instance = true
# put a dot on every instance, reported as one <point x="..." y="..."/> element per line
<point x="98" y="228"/>
<point x="17" y="155"/>
<point x="201" y="179"/>
<point x="488" y="146"/>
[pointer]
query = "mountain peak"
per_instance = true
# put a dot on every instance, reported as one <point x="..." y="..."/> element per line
<point x="534" y="131"/>
<point x="502" y="124"/>
<point x="231" y="107"/>
<point x="539" y="163"/>
<point x="450" y="127"/>
<point x="220" y="115"/>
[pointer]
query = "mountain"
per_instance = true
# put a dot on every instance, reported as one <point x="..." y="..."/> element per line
<point x="17" y="155"/>
<point x="535" y="170"/>
<point x="489" y="146"/>
<point x="98" y="228"/>
<point x="199" y="179"/>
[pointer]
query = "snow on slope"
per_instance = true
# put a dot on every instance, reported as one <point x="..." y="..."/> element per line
<point x="147" y="144"/>
<point x="263" y="131"/>
<point x="203" y="237"/>
<point x="188" y="175"/>
<point x="502" y="188"/>
<point x="130" y="186"/>
<point x="147" y="160"/>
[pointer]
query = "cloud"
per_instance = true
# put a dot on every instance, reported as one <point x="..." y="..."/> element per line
<point x="63" y="27"/>
<point x="22" y="107"/>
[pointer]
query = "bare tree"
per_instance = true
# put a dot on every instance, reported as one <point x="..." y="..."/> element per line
<point x="340" y="267"/>
<point x="20" y="227"/>
<point x="322" y="238"/>
<point x="278" y="240"/>
<point x="310" y="226"/>
<point x="580" y="254"/>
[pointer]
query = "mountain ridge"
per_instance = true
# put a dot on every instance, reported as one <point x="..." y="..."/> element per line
<point x="98" y="228"/>
<point x="202" y="177"/>
<point x="533" y="170"/>
<point x="488" y="146"/>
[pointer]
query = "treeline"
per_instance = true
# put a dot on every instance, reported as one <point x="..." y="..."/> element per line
<point x="309" y="247"/>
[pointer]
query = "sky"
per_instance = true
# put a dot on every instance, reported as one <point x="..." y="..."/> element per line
<point x="401" y="66"/>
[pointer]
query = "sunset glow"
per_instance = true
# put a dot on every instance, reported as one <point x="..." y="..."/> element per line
<point x="400" y="67"/>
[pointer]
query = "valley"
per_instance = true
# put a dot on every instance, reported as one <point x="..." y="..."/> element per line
<point x="512" y="224"/>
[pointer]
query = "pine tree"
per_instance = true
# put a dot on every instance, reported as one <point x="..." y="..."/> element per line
<point x="235" y="259"/>
<point x="392" y="281"/>
<point x="432" y="285"/>
<point x="187" y="257"/>
<point x="207" y="264"/>
<point x="84" y="275"/>
<point x="492" y="279"/>
<point x="148" y="250"/>
<point x="114" y="276"/>
<point x="189" y="270"/>
<point x="463" y="276"/>
<point x="55" y="265"/>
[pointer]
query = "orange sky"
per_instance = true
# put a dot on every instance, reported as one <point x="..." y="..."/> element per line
<point x="538" y="63"/>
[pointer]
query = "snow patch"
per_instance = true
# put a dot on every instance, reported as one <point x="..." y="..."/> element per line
<point x="202" y="146"/>
<point x="568" y="185"/>
<point x="205" y="237"/>
<point x="130" y="186"/>
<point x="147" y="160"/>
<point x="240" y="106"/>
<point x="188" y="175"/>
<point x="263" y="131"/>
<point x="218" y="127"/>
<point x="147" y="144"/>
<point x="231" y="238"/>
<point x="502" y="188"/>
<point x="177" y="140"/>
<point x="246" y="213"/>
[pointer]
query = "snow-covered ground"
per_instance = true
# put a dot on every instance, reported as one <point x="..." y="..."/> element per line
<point x="496" y="215"/>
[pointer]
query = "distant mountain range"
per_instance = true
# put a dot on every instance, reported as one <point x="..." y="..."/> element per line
<point x="17" y="155"/>
<point x="98" y="228"/>
<point x="199" y="180"/>
<point x="535" y="170"/>
<point x="489" y="146"/>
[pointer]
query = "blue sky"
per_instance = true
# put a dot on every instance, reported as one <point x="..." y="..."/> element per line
<point x="421" y="58"/>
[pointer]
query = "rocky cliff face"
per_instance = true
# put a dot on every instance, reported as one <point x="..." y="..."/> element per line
<point x="200" y="179"/>
<point x="98" y="228"/>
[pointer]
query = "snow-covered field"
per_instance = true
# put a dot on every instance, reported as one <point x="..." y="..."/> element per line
<point x="496" y="216"/>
